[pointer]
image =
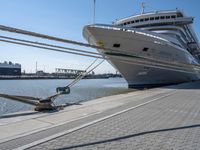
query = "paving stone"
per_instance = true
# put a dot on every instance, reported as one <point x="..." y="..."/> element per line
<point x="172" y="123"/>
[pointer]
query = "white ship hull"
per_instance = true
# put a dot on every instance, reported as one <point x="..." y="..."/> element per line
<point x="138" y="76"/>
<point x="144" y="44"/>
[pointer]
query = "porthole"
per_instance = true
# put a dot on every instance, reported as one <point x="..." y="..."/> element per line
<point x="145" y="49"/>
<point x="116" y="45"/>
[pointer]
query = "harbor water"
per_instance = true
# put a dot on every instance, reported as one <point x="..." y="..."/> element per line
<point x="84" y="90"/>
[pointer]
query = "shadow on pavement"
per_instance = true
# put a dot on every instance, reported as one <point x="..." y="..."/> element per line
<point x="18" y="115"/>
<point x="130" y="136"/>
<point x="186" y="85"/>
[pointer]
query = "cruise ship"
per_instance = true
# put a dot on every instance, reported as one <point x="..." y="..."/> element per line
<point x="10" y="69"/>
<point x="161" y="35"/>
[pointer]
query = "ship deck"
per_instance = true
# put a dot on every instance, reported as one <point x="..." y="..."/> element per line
<point x="159" y="118"/>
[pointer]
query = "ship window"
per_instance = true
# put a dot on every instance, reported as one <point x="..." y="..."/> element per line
<point x="146" y="19"/>
<point x="146" y="68"/>
<point x="173" y="16"/>
<point x="152" y="18"/>
<point x="132" y="21"/>
<point x="145" y="49"/>
<point x="136" y="20"/>
<point x="162" y="17"/>
<point x="156" y="18"/>
<point x="167" y="17"/>
<point x="128" y="22"/>
<point x="141" y="20"/>
<point x="116" y="45"/>
<point x="125" y="23"/>
<point x="179" y="15"/>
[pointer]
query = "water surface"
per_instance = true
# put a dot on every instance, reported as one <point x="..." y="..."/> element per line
<point x="84" y="90"/>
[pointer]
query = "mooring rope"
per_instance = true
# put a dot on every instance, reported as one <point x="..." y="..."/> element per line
<point x="23" y="99"/>
<point x="120" y="56"/>
<point x="180" y="67"/>
<point x="86" y="73"/>
<point x="48" y="103"/>
<point x="34" y="34"/>
<point x="49" y="48"/>
<point x="49" y="45"/>
<point x="80" y="76"/>
<point x="142" y="58"/>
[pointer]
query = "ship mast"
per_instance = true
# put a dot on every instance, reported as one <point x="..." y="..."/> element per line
<point x="142" y="7"/>
<point x="94" y="13"/>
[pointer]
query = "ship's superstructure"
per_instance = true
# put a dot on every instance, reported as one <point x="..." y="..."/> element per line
<point x="9" y="68"/>
<point x="174" y="24"/>
<point x="160" y="35"/>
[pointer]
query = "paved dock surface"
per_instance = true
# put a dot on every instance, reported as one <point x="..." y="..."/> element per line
<point x="161" y="118"/>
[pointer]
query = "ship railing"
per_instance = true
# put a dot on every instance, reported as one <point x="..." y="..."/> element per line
<point x="159" y="39"/>
<point x="172" y="11"/>
<point x="133" y="30"/>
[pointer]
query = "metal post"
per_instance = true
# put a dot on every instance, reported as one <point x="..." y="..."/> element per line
<point x="36" y="68"/>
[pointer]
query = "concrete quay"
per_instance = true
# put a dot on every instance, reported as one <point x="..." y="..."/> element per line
<point x="160" y="118"/>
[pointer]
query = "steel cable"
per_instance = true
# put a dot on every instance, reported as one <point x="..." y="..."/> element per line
<point x="34" y="34"/>
<point x="49" y="45"/>
<point x="143" y="61"/>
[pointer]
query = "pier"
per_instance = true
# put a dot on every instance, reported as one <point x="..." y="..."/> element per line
<point x="147" y="50"/>
<point x="159" y="118"/>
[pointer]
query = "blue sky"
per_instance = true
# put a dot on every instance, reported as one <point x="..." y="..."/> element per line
<point x="65" y="19"/>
